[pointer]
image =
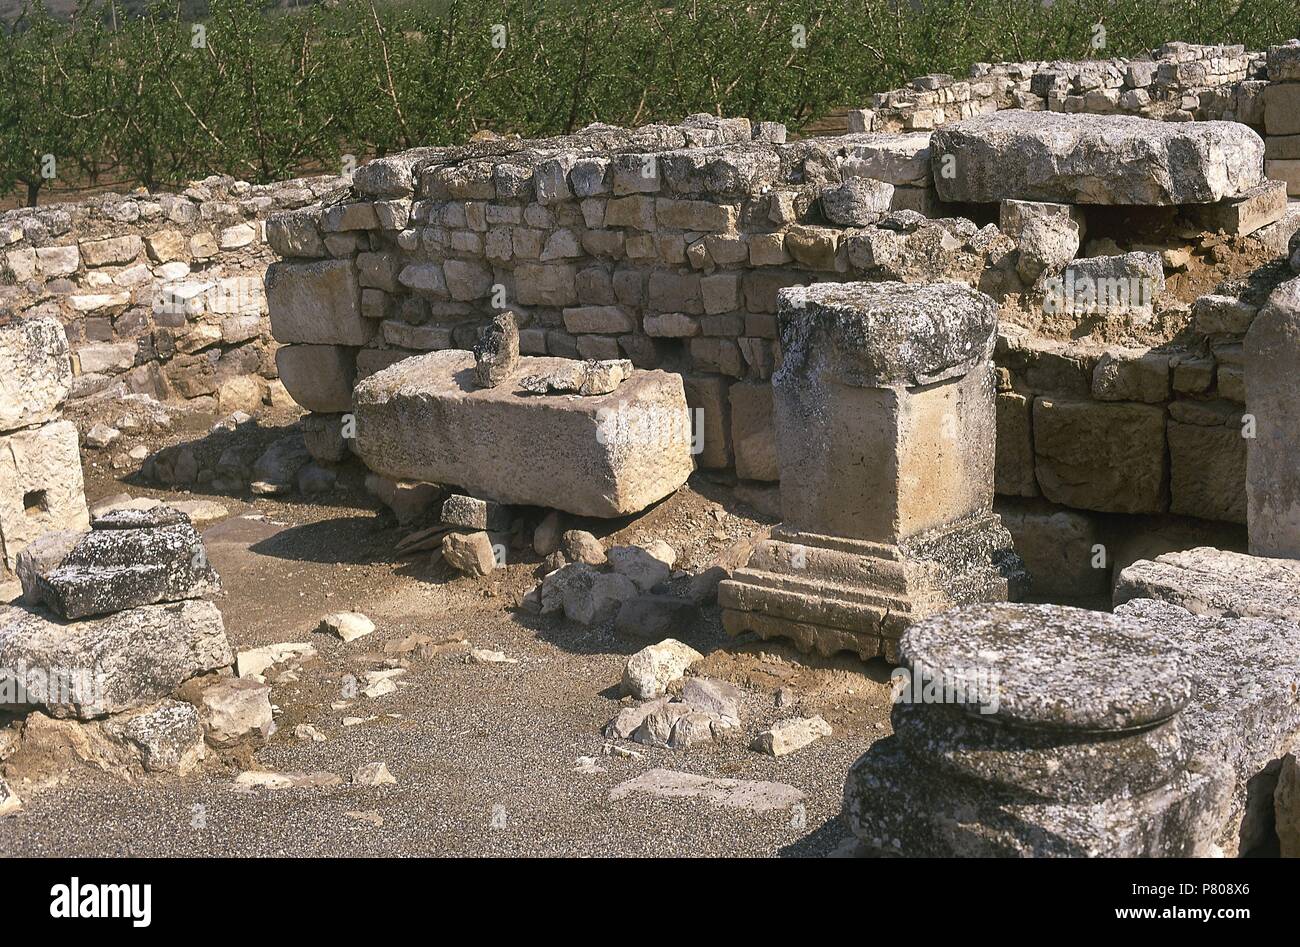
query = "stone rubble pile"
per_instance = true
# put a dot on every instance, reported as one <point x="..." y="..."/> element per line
<point x="113" y="627"/>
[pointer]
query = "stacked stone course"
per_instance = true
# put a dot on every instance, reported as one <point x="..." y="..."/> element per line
<point x="160" y="294"/>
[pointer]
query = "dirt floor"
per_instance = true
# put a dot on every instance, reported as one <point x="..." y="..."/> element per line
<point x="486" y="756"/>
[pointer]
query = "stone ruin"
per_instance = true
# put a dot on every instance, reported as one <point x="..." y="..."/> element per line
<point x="955" y="352"/>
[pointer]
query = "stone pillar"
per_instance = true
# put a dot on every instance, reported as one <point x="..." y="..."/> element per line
<point x="1038" y="730"/>
<point x="1272" y="349"/>
<point x="40" y="468"/>
<point x="885" y="429"/>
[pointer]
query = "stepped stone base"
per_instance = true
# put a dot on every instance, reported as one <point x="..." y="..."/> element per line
<point x="829" y="594"/>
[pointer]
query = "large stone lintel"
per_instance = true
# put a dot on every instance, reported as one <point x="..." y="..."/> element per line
<point x="831" y="594"/>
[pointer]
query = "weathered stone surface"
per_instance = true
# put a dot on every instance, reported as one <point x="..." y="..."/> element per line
<point x="1243" y="713"/>
<point x="746" y="794"/>
<point x="900" y="160"/>
<point x="1109" y="457"/>
<point x="40" y="485"/>
<point x="1127" y="284"/>
<point x="1052" y="666"/>
<point x="1216" y="582"/>
<point x="646" y="566"/>
<point x="125" y="660"/>
<point x="235" y="708"/>
<point x="753" y="432"/>
<point x="1286" y="807"/>
<point x="883" y="334"/>
<point x="35" y="372"/>
<point x="857" y="202"/>
<point x="649" y="672"/>
<point x="579" y="545"/>
<point x="473" y="513"/>
<point x="318" y="377"/>
<point x="1272" y="351"/>
<point x="588" y="377"/>
<point x="599" y="456"/>
<point x="115" y="567"/>
<point x="1059" y="548"/>
<point x="1207" y="471"/>
<point x="167" y="738"/>
<point x="1047" y="244"/>
<point x="1014" y="461"/>
<point x="318" y="303"/>
<point x="470" y="553"/>
<point x="41" y="556"/>
<point x="1258" y="207"/>
<point x="1094" y="159"/>
<point x="787" y="736"/>
<point x="348" y="626"/>
<point x="496" y="353"/>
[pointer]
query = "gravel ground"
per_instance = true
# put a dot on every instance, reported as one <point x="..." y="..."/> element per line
<point x="484" y="755"/>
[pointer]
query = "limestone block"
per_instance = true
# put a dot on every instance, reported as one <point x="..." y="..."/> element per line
<point x="1282" y="108"/>
<point x="317" y="303"/>
<point x="110" y="251"/>
<point x="1014" y="463"/>
<point x="603" y="455"/>
<point x="117" y="662"/>
<point x="753" y="432"/>
<point x="900" y="160"/>
<point x="710" y="418"/>
<point x="1272" y="352"/>
<point x="35" y="372"/>
<point x="1108" y="457"/>
<point x="891" y="371"/>
<point x="1058" y="548"/>
<point x="1126" y="284"/>
<point x="40" y="485"/>
<point x="1258" y="207"/>
<point x="1094" y="159"/>
<point x="1216" y="583"/>
<point x="129" y="558"/>
<point x="318" y="377"/>
<point x="1207" y="470"/>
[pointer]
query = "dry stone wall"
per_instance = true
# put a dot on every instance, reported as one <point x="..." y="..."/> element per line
<point x="159" y="293"/>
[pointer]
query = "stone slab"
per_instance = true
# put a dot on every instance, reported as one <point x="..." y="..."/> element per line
<point x="607" y="455"/>
<point x="113" y="568"/>
<point x="1258" y="207"/>
<point x="1094" y="159"/>
<point x="1216" y="583"/>
<point x="126" y="660"/>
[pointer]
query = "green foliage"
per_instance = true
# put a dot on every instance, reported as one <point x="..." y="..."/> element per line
<point x="123" y="92"/>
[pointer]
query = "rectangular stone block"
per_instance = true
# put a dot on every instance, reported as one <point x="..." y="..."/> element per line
<point x="1014" y="465"/>
<point x="1058" y="548"/>
<point x="40" y="485"/>
<point x="35" y="372"/>
<point x="1109" y="457"/>
<point x="1207" y="471"/>
<point x="606" y="455"/>
<point x="1094" y="159"/>
<point x="1272" y="395"/>
<point x="1258" y="207"/>
<point x="1282" y="146"/>
<point x="753" y="432"/>
<point x="900" y="160"/>
<point x="1287" y="171"/>
<point x="1282" y="108"/>
<point x="710" y="419"/>
<point x="317" y="302"/>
